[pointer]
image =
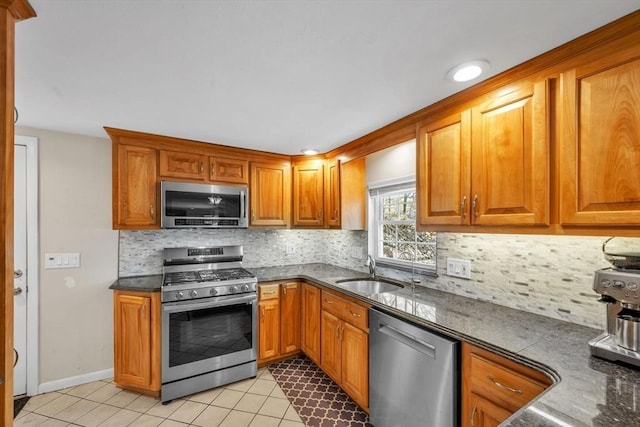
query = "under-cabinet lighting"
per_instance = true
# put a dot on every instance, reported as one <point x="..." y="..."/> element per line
<point x="468" y="71"/>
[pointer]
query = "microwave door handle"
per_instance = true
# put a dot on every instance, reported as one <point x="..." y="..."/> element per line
<point x="244" y="196"/>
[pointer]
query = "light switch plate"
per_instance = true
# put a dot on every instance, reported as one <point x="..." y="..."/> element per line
<point x="62" y="260"/>
<point x="459" y="268"/>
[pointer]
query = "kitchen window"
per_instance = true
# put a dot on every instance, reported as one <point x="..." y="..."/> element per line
<point x="395" y="241"/>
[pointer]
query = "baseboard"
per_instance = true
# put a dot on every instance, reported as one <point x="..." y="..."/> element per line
<point x="74" y="381"/>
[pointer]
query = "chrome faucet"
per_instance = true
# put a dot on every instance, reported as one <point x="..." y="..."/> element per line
<point x="371" y="263"/>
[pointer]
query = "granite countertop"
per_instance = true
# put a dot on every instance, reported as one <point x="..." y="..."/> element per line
<point x="587" y="391"/>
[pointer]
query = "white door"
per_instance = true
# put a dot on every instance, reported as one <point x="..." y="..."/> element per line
<point x="20" y="272"/>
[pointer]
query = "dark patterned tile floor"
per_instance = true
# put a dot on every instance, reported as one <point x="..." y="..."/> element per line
<point x="316" y="398"/>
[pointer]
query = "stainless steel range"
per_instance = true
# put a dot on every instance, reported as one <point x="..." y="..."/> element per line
<point x="209" y="320"/>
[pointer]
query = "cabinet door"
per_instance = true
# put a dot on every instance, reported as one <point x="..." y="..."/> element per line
<point x="308" y="194"/>
<point x="175" y="164"/>
<point x="268" y="330"/>
<point x="332" y="194"/>
<point x="135" y="202"/>
<point x="510" y="158"/>
<point x="600" y="146"/>
<point x="228" y="170"/>
<point x="132" y="340"/>
<point x="355" y="364"/>
<point x="290" y="317"/>
<point x="444" y="173"/>
<point x="331" y="351"/>
<point x="311" y="322"/>
<point x="270" y="194"/>
<point x="353" y="196"/>
<point x="484" y="413"/>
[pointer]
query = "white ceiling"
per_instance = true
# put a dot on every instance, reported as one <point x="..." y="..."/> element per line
<point x="270" y="75"/>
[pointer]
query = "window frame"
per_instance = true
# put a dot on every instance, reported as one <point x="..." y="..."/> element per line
<point x="375" y="223"/>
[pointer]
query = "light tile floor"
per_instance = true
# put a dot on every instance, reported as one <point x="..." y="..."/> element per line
<point x="254" y="402"/>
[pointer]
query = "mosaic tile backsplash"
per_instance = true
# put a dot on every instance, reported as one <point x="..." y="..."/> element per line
<point x="548" y="275"/>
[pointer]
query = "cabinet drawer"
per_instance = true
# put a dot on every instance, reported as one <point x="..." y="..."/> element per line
<point x="349" y="312"/>
<point x="266" y="292"/>
<point x="502" y="385"/>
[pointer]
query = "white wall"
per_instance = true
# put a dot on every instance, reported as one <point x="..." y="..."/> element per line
<point x="76" y="332"/>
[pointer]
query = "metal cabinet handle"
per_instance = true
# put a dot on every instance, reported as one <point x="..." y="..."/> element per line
<point x="262" y="314"/>
<point x="505" y="387"/>
<point x="17" y="291"/>
<point x="336" y="213"/>
<point x="17" y="274"/>
<point x="253" y="217"/>
<point x="474" y="205"/>
<point x="152" y="210"/>
<point x="463" y="207"/>
<point x="284" y="290"/>
<point x="354" y="314"/>
<point x="201" y="167"/>
<point x="328" y="301"/>
<point x="473" y="415"/>
<point x="126" y="211"/>
<point x="268" y="292"/>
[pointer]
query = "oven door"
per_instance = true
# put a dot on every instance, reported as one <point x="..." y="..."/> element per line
<point x="208" y="335"/>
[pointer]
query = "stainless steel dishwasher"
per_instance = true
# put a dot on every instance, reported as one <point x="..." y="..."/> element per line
<point x="414" y="375"/>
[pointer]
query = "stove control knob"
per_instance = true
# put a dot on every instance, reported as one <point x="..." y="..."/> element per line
<point x="233" y="289"/>
<point x="179" y="295"/>
<point x="193" y="294"/>
<point x="244" y="288"/>
<point x="618" y="284"/>
<point x="632" y="286"/>
<point x="605" y="283"/>
<point x="213" y="291"/>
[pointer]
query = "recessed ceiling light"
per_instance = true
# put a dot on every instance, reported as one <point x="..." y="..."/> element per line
<point x="468" y="71"/>
<point x="309" y="152"/>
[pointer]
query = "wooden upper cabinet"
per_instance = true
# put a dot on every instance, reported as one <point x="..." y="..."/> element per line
<point x="270" y="194"/>
<point x="228" y="170"/>
<point x="353" y="196"/>
<point x="308" y="193"/>
<point x="175" y="164"/>
<point x="600" y="147"/>
<point x="510" y="157"/>
<point x="443" y="179"/>
<point x="332" y="194"/>
<point x="135" y="196"/>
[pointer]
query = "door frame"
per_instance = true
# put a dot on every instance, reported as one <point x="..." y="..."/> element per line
<point x="33" y="250"/>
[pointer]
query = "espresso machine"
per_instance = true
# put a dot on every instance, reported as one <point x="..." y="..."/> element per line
<point x="619" y="287"/>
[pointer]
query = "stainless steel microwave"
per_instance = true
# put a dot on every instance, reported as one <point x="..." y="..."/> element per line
<point x="186" y="205"/>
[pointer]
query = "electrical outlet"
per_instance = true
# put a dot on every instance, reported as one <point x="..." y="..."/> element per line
<point x="356" y="252"/>
<point x="459" y="268"/>
<point x="290" y="248"/>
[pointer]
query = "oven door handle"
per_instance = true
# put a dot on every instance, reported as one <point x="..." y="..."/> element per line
<point x="189" y="305"/>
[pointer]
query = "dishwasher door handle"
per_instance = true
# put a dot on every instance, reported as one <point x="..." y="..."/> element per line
<point x="408" y="340"/>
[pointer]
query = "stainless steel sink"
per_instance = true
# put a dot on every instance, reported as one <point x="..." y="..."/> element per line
<point x="369" y="285"/>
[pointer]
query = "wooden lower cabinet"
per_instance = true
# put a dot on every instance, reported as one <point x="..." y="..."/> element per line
<point x="310" y="310"/>
<point x="494" y="387"/>
<point x="137" y="352"/>
<point x="278" y="320"/>
<point x="290" y="314"/>
<point x="268" y="330"/>
<point x="345" y="346"/>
